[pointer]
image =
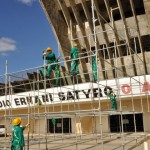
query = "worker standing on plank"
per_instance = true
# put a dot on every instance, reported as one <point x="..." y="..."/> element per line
<point x="112" y="97"/>
<point x="18" y="142"/>
<point x="50" y="57"/>
<point x="74" y="64"/>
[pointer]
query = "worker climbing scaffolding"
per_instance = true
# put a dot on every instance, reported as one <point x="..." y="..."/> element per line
<point x="74" y="64"/>
<point x="94" y="65"/>
<point x="50" y="57"/>
<point x="112" y="97"/>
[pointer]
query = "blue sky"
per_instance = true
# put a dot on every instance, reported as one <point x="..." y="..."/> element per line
<point x="24" y="33"/>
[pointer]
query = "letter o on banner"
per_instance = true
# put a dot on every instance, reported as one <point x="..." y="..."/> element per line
<point x="126" y="89"/>
<point x="105" y="89"/>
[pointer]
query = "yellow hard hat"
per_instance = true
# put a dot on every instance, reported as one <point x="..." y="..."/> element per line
<point x="49" y="49"/>
<point x="75" y="44"/>
<point x="17" y="121"/>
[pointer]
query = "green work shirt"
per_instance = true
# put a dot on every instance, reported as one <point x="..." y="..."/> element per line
<point x="50" y="57"/>
<point x="53" y="121"/>
<point x="18" y="137"/>
<point x="74" y="52"/>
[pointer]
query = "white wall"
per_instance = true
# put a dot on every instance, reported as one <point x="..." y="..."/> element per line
<point x="105" y="124"/>
<point x="146" y="121"/>
<point x="40" y="126"/>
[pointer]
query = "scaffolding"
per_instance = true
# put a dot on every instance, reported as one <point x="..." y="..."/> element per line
<point x="77" y="114"/>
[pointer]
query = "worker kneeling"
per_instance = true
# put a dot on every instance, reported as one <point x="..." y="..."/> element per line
<point x="50" y="57"/>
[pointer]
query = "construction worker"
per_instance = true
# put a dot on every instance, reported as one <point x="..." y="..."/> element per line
<point x="50" y="57"/>
<point x="94" y="66"/>
<point x="112" y="97"/>
<point x="73" y="55"/>
<point x="18" y="142"/>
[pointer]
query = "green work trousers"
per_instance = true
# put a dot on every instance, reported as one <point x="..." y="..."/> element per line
<point x="48" y="72"/>
<point x="74" y="67"/>
<point x="57" y="76"/>
<point x="113" y="104"/>
<point x="17" y="147"/>
<point x="94" y="69"/>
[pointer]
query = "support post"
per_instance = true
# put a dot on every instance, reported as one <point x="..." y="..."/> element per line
<point x="145" y="146"/>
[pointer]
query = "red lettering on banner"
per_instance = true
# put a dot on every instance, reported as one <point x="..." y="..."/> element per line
<point x="126" y="89"/>
<point x="146" y="87"/>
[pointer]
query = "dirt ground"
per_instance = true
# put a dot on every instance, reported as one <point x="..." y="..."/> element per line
<point x="115" y="141"/>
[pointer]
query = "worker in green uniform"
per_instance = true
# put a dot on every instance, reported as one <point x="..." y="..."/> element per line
<point x="94" y="66"/>
<point x="74" y="55"/>
<point x="53" y="121"/>
<point x="50" y="57"/>
<point x="18" y="142"/>
<point x="112" y="97"/>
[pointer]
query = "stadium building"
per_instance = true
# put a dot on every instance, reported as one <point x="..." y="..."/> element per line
<point x="119" y="32"/>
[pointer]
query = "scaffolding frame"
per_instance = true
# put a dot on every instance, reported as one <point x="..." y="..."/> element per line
<point x="72" y="109"/>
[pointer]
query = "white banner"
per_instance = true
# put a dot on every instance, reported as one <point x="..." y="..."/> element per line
<point x="125" y="87"/>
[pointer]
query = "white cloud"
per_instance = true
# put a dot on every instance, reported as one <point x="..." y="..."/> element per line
<point x="27" y="2"/>
<point x="7" y="44"/>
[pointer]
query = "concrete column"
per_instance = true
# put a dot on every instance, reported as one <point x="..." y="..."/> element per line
<point x="147" y="11"/>
<point x="145" y="146"/>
